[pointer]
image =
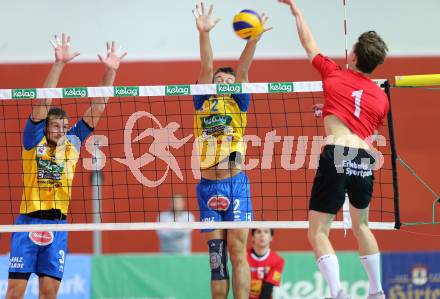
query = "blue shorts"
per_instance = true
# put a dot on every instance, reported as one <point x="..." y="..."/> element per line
<point x="225" y="200"/>
<point x="42" y="253"/>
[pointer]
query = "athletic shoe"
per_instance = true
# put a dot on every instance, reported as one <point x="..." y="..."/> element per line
<point x="378" y="295"/>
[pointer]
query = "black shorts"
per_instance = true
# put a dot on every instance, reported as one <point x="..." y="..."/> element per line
<point x="342" y="170"/>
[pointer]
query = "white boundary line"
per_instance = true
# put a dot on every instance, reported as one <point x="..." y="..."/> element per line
<point x="176" y="225"/>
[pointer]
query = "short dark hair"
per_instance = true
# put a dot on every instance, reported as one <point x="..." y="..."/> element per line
<point x="370" y="50"/>
<point x="227" y="70"/>
<point x="272" y="231"/>
<point x="57" y="113"/>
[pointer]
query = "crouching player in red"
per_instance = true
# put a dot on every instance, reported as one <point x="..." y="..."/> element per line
<point x="265" y="264"/>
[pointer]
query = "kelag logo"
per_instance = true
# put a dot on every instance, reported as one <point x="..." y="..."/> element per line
<point x="229" y="88"/>
<point x="30" y="93"/>
<point x="75" y="92"/>
<point x="280" y="87"/>
<point x="124" y="91"/>
<point x="177" y="90"/>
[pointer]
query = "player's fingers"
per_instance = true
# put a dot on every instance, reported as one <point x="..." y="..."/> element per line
<point x="57" y="39"/>
<point x="123" y="55"/>
<point x="100" y="58"/>
<point x="216" y="21"/>
<point x="54" y="44"/>
<point x="68" y="40"/>
<point x="267" y="29"/>
<point x="113" y="46"/>
<point x="202" y="6"/>
<point x="196" y="15"/>
<point x="75" y="54"/>
<point x="211" y="8"/>
<point x="108" y="47"/>
<point x="63" y="38"/>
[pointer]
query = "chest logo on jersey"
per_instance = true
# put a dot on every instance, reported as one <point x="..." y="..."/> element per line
<point x="41" y="238"/>
<point x="49" y="169"/>
<point x="219" y="203"/>
<point x="216" y="120"/>
<point x="41" y="150"/>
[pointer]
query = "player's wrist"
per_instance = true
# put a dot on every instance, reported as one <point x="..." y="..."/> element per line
<point x="59" y="63"/>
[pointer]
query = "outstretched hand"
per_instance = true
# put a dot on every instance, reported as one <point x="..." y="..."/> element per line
<point x="295" y="10"/>
<point x="204" y="21"/>
<point x="62" y="48"/>
<point x="264" y="19"/>
<point x="112" y="60"/>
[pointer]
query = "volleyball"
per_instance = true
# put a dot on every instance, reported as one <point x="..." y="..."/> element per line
<point x="247" y="24"/>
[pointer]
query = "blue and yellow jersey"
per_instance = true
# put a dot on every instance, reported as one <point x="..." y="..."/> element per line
<point x="219" y="125"/>
<point x="48" y="172"/>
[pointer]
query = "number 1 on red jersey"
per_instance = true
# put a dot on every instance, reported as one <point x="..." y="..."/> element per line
<point x="357" y="94"/>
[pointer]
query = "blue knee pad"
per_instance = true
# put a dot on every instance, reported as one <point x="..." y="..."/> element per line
<point x="218" y="259"/>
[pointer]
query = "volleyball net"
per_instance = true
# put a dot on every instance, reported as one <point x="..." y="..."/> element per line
<point x="143" y="152"/>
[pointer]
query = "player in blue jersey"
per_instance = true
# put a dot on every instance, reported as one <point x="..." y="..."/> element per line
<point x="223" y="192"/>
<point x="49" y="156"/>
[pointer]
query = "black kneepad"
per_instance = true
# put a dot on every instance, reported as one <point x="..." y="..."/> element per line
<point x="218" y="259"/>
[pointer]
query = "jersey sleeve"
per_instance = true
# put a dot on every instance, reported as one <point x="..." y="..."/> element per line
<point x="33" y="133"/>
<point x="274" y="275"/>
<point x="81" y="130"/>
<point x="199" y="99"/>
<point x="243" y="100"/>
<point x="324" y="65"/>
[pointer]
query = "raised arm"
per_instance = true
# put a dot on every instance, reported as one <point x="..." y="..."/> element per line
<point x="62" y="56"/>
<point x="204" y="24"/>
<point x="304" y="33"/>
<point x="247" y="56"/>
<point x="111" y="62"/>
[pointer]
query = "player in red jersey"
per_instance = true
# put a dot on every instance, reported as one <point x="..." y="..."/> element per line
<point x="265" y="264"/>
<point x="354" y="108"/>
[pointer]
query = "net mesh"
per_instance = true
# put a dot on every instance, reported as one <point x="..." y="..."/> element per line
<point x="282" y="155"/>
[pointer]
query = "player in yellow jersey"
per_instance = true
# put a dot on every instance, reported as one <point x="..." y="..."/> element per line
<point x="50" y="153"/>
<point x="223" y="192"/>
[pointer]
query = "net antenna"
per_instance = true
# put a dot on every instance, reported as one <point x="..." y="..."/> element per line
<point x="344" y="3"/>
<point x="430" y="82"/>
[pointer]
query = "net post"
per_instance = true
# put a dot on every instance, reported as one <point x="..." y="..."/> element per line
<point x="398" y="224"/>
<point x="96" y="181"/>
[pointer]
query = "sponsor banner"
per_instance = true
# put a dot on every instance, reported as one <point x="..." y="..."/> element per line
<point x="279" y="87"/>
<point x="229" y="88"/>
<point x="178" y="277"/>
<point x="177" y="90"/>
<point x="75" y="92"/>
<point x="126" y="91"/>
<point x="19" y="94"/>
<point x="76" y="283"/>
<point x="301" y="278"/>
<point x="411" y="275"/>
